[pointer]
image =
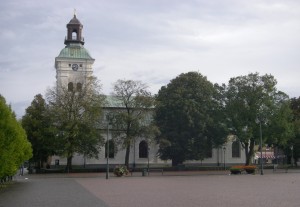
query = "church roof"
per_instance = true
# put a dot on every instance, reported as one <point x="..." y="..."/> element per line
<point x="75" y="51"/>
<point x="74" y="20"/>
<point x="113" y="102"/>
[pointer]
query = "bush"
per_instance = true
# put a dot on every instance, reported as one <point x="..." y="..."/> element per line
<point x="250" y="169"/>
<point x="120" y="171"/>
<point x="236" y="170"/>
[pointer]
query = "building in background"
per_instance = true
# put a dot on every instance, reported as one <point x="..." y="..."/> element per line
<point x="73" y="67"/>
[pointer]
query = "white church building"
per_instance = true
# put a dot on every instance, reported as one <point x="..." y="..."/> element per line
<point x="73" y="65"/>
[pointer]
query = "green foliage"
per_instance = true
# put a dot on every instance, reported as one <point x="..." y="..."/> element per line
<point x="279" y="129"/>
<point x="120" y="170"/>
<point x="238" y="169"/>
<point x="76" y="116"/>
<point x="133" y="118"/>
<point x="295" y="141"/>
<point x="254" y="99"/>
<point x="14" y="146"/>
<point x="190" y="117"/>
<point x="40" y="130"/>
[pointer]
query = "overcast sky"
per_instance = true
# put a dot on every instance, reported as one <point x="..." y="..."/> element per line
<point x="150" y="40"/>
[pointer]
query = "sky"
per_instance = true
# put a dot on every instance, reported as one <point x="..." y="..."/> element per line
<point x="152" y="41"/>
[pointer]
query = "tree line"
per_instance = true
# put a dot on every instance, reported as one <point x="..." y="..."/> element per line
<point x="15" y="149"/>
<point x="187" y="117"/>
<point x="193" y="115"/>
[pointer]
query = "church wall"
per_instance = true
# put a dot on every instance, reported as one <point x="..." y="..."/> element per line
<point x="119" y="158"/>
<point x="65" y="74"/>
<point x="217" y="158"/>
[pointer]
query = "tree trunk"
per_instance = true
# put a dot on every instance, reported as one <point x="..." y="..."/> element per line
<point x="127" y="156"/>
<point x="249" y="150"/>
<point x="69" y="164"/>
<point x="247" y="153"/>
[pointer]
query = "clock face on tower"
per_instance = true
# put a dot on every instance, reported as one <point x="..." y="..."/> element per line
<point x="74" y="67"/>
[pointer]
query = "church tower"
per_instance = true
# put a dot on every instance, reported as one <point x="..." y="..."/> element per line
<point x="74" y="63"/>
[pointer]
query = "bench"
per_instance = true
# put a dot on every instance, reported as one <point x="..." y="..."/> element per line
<point x="145" y="170"/>
<point x="156" y="170"/>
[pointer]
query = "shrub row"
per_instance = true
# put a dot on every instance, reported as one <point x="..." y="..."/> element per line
<point x="238" y="169"/>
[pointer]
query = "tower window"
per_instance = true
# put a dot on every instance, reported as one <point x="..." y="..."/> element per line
<point x="70" y="86"/>
<point x="74" y="35"/>
<point x="79" y="87"/>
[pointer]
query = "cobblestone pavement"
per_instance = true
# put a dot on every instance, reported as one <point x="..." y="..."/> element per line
<point x="216" y="188"/>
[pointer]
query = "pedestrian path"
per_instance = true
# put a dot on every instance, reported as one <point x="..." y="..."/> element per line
<point x="36" y="191"/>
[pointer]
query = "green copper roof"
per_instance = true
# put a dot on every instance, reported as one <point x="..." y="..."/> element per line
<point x="75" y="51"/>
<point x="113" y="102"/>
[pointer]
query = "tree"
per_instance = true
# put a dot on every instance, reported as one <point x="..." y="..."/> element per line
<point x="189" y="114"/>
<point x="133" y="117"/>
<point x="39" y="129"/>
<point x="15" y="148"/>
<point x="295" y="141"/>
<point x="279" y="128"/>
<point x="253" y="100"/>
<point x="76" y="115"/>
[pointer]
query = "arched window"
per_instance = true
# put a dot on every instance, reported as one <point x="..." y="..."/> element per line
<point x="143" y="149"/>
<point x="74" y="35"/>
<point x="111" y="149"/>
<point x="236" y="149"/>
<point x="79" y="87"/>
<point x="70" y="86"/>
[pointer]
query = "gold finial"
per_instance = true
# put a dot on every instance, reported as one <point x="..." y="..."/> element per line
<point x="74" y="12"/>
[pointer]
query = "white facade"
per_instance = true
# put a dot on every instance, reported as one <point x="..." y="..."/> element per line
<point x="220" y="157"/>
<point x="65" y="74"/>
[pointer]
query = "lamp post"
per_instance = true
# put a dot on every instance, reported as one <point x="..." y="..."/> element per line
<point x="261" y="161"/>
<point x="218" y="157"/>
<point x="224" y="149"/>
<point x="292" y="160"/>
<point x="148" y="149"/>
<point x="134" y="154"/>
<point x="107" y="152"/>
<point x="109" y="118"/>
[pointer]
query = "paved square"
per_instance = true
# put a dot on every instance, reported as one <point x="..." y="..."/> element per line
<point x="203" y="190"/>
<point x="172" y="189"/>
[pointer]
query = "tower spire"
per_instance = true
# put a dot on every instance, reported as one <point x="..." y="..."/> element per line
<point x="74" y="34"/>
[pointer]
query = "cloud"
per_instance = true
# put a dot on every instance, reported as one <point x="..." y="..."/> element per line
<point x="153" y="41"/>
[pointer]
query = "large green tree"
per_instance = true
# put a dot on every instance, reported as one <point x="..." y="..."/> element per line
<point x="279" y="128"/>
<point x="76" y="115"/>
<point x="132" y="117"/>
<point x="295" y="142"/>
<point x="253" y="101"/>
<point x="189" y="114"/>
<point x="40" y="130"/>
<point x="14" y="146"/>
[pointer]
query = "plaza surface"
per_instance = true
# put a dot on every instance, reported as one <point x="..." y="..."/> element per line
<point x="207" y="189"/>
